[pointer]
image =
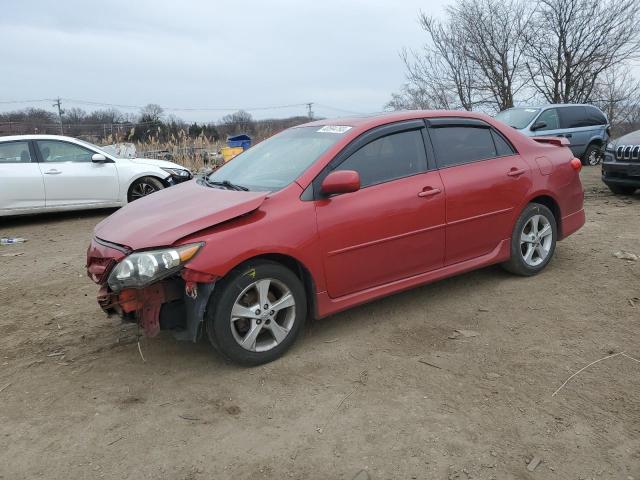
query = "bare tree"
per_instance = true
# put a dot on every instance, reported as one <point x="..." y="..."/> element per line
<point x="441" y="75"/>
<point x="237" y="122"/>
<point x="571" y="43"/>
<point x="152" y="112"/>
<point x="494" y="42"/>
<point x="618" y="95"/>
<point x="75" y="115"/>
<point x="109" y="115"/>
<point x="410" y="97"/>
<point x="473" y="59"/>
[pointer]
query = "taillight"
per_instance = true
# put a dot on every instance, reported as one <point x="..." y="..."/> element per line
<point x="576" y="164"/>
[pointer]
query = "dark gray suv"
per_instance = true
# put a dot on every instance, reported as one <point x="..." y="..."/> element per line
<point x="585" y="126"/>
<point x="621" y="165"/>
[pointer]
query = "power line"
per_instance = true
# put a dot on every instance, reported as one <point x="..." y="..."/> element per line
<point x="8" y="102"/>
<point x="335" y="109"/>
<point x="185" y="109"/>
<point x="80" y="125"/>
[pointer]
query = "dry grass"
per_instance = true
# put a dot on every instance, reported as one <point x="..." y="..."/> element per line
<point x="196" y="153"/>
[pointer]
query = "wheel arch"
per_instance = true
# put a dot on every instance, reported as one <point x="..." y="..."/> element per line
<point x="552" y="204"/>
<point x="143" y="175"/>
<point x="299" y="269"/>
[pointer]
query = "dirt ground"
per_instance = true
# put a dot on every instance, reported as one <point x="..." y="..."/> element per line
<point x="381" y="388"/>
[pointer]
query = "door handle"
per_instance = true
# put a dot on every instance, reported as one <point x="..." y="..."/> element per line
<point x="53" y="171"/>
<point x="568" y="135"/>
<point x="515" y="172"/>
<point x="429" y="192"/>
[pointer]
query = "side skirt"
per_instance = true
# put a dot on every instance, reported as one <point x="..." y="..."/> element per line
<point x="328" y="306"/>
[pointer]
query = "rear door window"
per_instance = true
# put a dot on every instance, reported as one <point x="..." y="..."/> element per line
<point x="14" y="152"/>
<point x="595" y="116"/>
<point x="388" y="158"/>
<point x="503" y="148"/>
<point x="573" y="117"/>
<point x="457" y="145"/>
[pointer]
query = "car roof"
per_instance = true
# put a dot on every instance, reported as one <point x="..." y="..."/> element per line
<point x="36" y="137"/>
<point x="376" y="119"/>
<point x="556" y="105"/>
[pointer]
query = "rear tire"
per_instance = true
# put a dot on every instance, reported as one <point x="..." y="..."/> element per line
<point x="142" y="187"/>
<point x="533" y="241"/>
<point x="256" y="312"/>
<point x="621" y="189"/>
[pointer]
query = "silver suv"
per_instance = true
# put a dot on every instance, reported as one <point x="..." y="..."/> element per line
<point x="585" y="126"/>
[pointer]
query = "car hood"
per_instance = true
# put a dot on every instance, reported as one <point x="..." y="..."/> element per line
<point x="156" y="163"/>
<point x="164" y="217"/>
<point x="632" y="138"/>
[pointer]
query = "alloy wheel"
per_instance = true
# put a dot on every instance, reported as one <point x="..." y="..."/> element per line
<point x="594" y="158"/>
<point x="142" y="189"/>
<point x="263" y="315"/>
<point x="536" y="240"/>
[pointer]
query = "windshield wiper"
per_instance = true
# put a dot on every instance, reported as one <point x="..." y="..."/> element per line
<point x="226" y="184"/>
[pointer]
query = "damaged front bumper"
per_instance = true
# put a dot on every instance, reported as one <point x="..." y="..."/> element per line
<point x="176" y="303"/>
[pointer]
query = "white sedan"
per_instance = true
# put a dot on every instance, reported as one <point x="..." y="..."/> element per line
<point x="42" y="173"/>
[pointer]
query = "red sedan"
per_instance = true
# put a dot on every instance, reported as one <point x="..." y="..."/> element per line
<point x="329" y="215"/>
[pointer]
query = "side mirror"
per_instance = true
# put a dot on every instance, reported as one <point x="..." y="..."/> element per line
<point x="538" y="126"/>
<point x="340" y="181"/>
<point x="98" y="158"/>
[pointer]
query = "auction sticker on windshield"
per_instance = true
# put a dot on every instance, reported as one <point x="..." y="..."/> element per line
<point x="334" y="129"/>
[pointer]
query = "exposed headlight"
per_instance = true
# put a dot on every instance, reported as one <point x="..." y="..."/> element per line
<point x="177" y="172"/>
<point x="611" y="147"/>
<point x="142" y="268"/>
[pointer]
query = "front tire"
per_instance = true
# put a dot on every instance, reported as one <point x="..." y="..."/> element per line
<point x="592" y="156"/>
<point x="533" y="241"/>
<point x="142" y="187"/>
<point x="256" y="313"/>
<point x="621" y="189"/>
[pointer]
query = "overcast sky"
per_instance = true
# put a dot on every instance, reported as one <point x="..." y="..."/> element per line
<point x="341" y="54"/>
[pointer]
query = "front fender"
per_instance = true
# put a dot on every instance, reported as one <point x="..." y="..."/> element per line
<point x="283" y="226"/>
<point x="130" y="172"/>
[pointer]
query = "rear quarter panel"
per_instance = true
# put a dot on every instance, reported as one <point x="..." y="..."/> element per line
<point x="557" y="179"/>
<point x="552" y="175"/>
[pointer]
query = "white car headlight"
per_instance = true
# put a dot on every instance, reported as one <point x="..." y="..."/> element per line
<point x="177" y="172"/>
<point x="142" y="268"/>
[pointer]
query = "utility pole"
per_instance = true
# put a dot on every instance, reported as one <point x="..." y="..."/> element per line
<point x="60" y="112"/>
<point x="309" y="111"/>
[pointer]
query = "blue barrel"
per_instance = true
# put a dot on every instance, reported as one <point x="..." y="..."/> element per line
<point x="243" y="141"/>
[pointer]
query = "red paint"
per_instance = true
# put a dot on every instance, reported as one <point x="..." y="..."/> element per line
<point x="557" y="141"/>
<point x="392" y="233"/>
<point x="365" y="244"/>
<point x="161" y="221"/>
<point x="482" y="199"/>
<point x="147" y="303"/>
<point x="342" y="181"/>
<point x="576" y="164"/>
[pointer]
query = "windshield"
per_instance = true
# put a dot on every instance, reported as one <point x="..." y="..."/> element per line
<point x="518" y="117"/>
<point x="276" y="162"/>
